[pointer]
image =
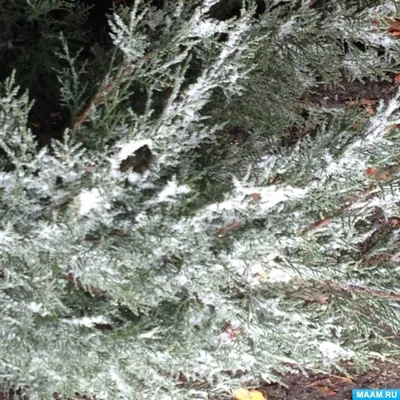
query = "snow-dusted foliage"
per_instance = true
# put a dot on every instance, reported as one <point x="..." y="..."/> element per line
<point x="122" y="277"/>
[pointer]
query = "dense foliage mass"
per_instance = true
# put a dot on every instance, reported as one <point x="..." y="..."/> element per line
<point x="195" y="195"/>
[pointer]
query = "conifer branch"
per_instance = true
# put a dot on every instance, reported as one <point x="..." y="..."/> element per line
<point x="89" y="289"/>
<point x="353" y="201"/>
<point x="80" y="119"/>
<point x="356" y="288"/>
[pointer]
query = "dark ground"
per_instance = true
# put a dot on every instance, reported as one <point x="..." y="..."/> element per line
<point x="385" y="375"/>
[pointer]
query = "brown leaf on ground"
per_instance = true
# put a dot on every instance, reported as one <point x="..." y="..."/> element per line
<point x="367" y="104"/>
<point x="371" y="171"/>
<point x="245" y="394"/>
<point x="361" y="102"/>
<point x="325" y="390"/>
<point x="394" y="25"/>
<point x="299" y="387"/>
<point x="378" y="174"/>
<point x="370" y="110"/>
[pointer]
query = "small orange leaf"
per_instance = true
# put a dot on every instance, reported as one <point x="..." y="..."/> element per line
<point x="325" y="390"/>
<point x="371" y="171"/>
<point x="397" y="78"/>
<point x="244" y="394"/>
<point x="378" y="174"/>
<point x="395" y="33"/>
<point x="394" y="24"/>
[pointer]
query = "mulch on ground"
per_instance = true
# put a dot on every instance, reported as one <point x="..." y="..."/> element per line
<point x="384" y="375"/>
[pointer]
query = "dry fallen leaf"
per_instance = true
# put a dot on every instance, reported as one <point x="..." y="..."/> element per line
<point x="370" y="110"/>
<point x="325" y="390"/>
<point x="378" y="174"/>
<point x="244" y="394"/>
<point x="368" y="104"/>
<point x="361" y="102"/>
<point x="394" y="25"/>
<point x="371" y="171"/>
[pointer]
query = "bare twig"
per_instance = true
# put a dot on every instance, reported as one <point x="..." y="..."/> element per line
<point x="355" y="288"/>
<point x="325" y="220"/>
<point x="99" y="96"/>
